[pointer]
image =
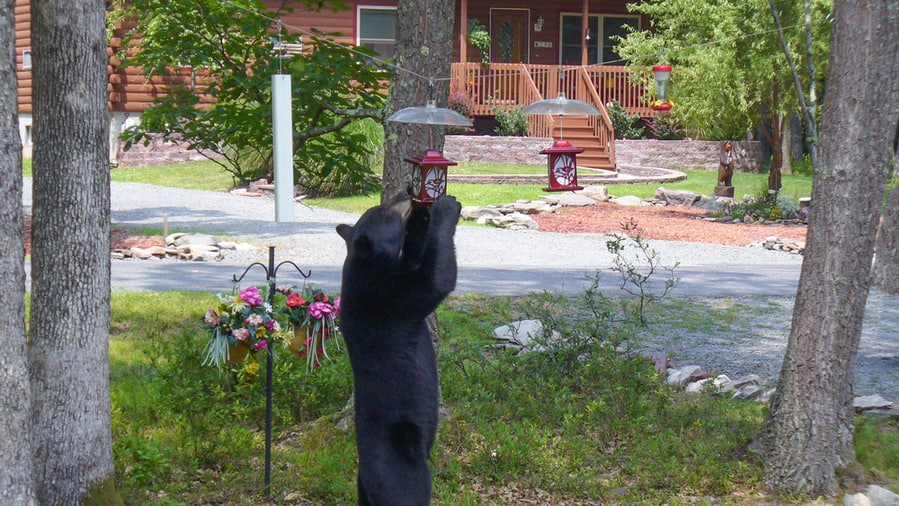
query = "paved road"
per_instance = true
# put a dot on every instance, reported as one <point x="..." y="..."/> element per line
<point x="491" y="260"/>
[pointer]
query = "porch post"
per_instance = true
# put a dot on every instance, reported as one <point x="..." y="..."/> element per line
<point x="585" y="18"/>
<point x="463" y="31"/>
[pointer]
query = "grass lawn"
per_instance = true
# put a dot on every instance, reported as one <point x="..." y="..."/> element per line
<point x="209" y="176"/>
<point x="596" y="426"/>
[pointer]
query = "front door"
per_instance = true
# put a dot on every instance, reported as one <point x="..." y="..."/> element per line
<point x="509" y="35"/>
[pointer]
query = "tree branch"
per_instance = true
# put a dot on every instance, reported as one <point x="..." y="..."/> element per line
<point x="806" y="111"/>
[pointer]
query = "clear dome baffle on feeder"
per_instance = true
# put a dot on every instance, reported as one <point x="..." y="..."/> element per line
<point x="561" y="106"/>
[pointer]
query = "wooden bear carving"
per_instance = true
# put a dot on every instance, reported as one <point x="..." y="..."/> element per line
<point x="726" y="165"/>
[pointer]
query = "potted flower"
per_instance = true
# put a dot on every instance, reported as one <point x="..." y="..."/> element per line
<point x="239" y="324"/>
<point x="313" y="316"/>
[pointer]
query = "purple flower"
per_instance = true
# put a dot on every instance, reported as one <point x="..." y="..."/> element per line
<point x="251" y="296"/>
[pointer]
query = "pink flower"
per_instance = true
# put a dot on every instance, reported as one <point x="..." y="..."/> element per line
<point x="272" y="325"/>
<point x="294" y="300"/>
<point x="251" y="296"/>
<point x="336" y="306"/>
<point x="254" y="320"/>
<point x="241" y="334"/>
<point x="319" y="310"/>
<point x="260" y="345"/>
<point x="212" y="318"/>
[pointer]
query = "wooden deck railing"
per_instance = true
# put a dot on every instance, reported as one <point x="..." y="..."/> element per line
<point x="505" y="84"/>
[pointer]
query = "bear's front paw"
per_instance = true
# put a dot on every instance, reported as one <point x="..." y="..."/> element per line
<point x="446" y="209"/>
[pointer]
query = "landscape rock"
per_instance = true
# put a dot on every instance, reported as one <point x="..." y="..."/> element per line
<point x="867" y="402"/>
<point x="570" y="199"/>
<point x="196" y="240"/>
<point x="880" y="496"/>
<point x="677" y="197"/>
<point x="680" y="376"/>
<point x="598" y="193"/>
<point x="522" y="335"/>
<point x="630" y="200"/>
<point x="514" y="221"/>
<point x="856" y="500"/>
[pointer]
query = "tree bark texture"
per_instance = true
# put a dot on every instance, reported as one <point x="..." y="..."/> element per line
<point x="423" y="56"/>
<point x="16" y="485"/>
<point x="886" y="250"/>
<point x="68" y="355"/>
<point x="808" y="431"/>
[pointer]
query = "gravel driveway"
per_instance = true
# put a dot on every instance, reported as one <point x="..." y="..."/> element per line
<point x="757" y="281"/>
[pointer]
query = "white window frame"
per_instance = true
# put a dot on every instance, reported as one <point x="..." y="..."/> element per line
<point x="359" y="9"/>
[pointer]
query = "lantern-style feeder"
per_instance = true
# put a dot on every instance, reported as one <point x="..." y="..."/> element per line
<point x="429" y="169"/>
<point x="662" y="74"/>
<point x="429" y="173"/>
<point x="562" y="156"/>
<point x="562" y="166"/>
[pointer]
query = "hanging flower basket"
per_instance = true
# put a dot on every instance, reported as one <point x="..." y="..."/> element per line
<point x="313" y="316"/>
<point x="238" y="325"/>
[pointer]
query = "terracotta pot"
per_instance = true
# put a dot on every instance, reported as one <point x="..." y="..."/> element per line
<point x="298" y="345"/>
<point x="237" y="353"/>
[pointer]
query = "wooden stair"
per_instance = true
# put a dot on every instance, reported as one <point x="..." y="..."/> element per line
<point x="577" y="131"/>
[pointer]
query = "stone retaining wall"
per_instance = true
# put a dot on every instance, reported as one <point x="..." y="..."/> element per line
<point x="664" y="154"/>
<point x="489" y="148"/>
<point x="687" y="154"/>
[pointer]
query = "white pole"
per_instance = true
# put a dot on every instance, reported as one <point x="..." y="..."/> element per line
<point x="282" y="146"/>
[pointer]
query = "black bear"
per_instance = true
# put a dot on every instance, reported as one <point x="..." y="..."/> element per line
<point x="400" y="264"/>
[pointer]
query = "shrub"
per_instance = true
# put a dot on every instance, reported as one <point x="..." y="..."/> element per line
<point x="627" y="126"/>
<point x="463" y="103"/>
<point x="512" y="121"/>
<point x="665" y="126"/>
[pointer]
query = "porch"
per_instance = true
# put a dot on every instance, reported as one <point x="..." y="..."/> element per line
<point x="497" y="85"/>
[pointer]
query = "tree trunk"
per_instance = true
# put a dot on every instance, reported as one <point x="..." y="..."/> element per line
<point x="808" y="431"/>
<point x="423" y="55"/>
<point x="68" y="355"/>
<point x="16" y="486"/>
<point x="886" y="250"/>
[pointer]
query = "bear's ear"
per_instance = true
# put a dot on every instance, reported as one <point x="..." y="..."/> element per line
<point x="345" y="231"/>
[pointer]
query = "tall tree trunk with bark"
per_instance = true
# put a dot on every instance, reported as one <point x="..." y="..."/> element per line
<point x="16" y="485"/>
<point x="68" y="353"/>
<point x="808" y="431"/>
<point x="423" y="54"/>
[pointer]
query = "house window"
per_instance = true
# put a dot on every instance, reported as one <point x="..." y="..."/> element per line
<point x="377" y="29"/>
<point x="600" y="47"/>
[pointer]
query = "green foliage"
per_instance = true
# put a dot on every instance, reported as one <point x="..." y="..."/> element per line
<point x="727" y="59"/>
<point x="480" y="38"/>
<point x="512" y="121"/>
<point x="766" y="205"/>
<point x="665" y="126"/>
<point x="224" y="107"/>
<point x="636" y="262"/>
<point x="627" y="126"/>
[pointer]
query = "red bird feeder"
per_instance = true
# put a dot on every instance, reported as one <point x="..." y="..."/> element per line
<point x="429" y="173"/>
<point x="662" y="73"/>
<point x="562" y="166"/>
